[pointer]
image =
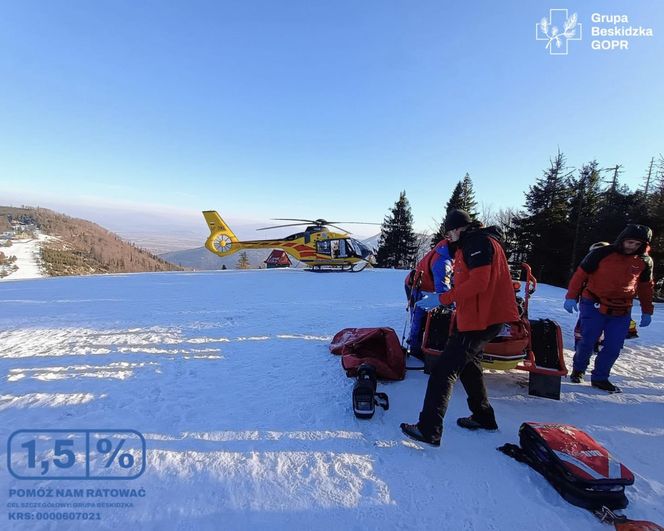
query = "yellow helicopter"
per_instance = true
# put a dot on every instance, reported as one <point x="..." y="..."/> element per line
<point x="317" y="247"/>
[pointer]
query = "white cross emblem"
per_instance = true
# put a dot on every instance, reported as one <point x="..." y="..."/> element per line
<point x="557" y="40"/>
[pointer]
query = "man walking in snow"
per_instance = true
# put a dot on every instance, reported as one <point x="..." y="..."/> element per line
<point x="485" y="301"/>
<point x="606" y="282"/>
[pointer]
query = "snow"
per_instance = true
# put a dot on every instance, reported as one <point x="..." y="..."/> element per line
<point x="27" y="257"/>
<point x="248" y="419"/>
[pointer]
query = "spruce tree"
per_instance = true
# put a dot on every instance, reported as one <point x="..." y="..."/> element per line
<point x="649" y="177"/>
<point x="456" y="200"/>
<point x="656" y="201"/>
<point x="396" y="246"/>
<point x="505" y="219"/>
<point x="462" y="198"/>
<point x="468" y="196"/>
<point x="543" y="234"/>
<point x="584" y="206"/>
<point x="438" y="235"/>
<point x="616" y="206"/>
<point x="243" y="261"/>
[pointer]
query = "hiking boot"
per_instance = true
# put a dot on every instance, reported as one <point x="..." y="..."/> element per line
<point x="605" y="385"/>
<point x="413" y="431"/>
<point x="576" y="376"/>
<point x="471" y="423"/>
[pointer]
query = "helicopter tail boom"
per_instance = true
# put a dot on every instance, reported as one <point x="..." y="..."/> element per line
<point x="222" y="240"/>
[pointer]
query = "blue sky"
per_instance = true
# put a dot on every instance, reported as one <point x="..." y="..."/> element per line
<point x="264" y="109"/>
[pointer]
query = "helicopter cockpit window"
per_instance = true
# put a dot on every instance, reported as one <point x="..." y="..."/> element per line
<point x="339" y="249"/>
<point x="361" y="249"/>
<point x="349" y="248"/>
<point x="323" y="247"/>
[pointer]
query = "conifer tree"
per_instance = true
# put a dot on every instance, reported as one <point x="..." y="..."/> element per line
<point x="243" y="261"/>
<point x="584" y="206"/>
<point x="615" y="209"/>
<point x="438" y="235"/>
<point x="396" y="246"/>
<point x="650" y="176"/>
<point x="456" y="199"/>
<point x="543" y="234"/>
<point x="463" y="198"/>
<point x="656" y="223"/>
<point x="468" y="196"/>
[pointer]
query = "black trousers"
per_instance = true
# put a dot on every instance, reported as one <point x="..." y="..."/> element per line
<point x="461" y="358"/>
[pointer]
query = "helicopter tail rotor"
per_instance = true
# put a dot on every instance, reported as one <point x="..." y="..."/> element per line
<point x="222" y="240"/>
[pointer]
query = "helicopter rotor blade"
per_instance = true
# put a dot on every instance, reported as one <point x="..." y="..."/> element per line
<point x="325" y="222"/>
<point x="354" y="222"/>
<point x="337" y="227"/>
<point x="281" y="226"/>
<point x="317" y="222"/>
<point x="295" y="219"/>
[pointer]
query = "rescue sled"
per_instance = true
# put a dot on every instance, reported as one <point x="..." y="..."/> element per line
<point x="534" y="346"/>
<point x="582" y="471"/>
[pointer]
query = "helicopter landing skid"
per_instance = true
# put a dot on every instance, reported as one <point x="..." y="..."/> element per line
<point x="351" y="268"/>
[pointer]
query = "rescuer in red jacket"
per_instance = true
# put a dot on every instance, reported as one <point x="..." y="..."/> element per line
<point x="606" y="283"/>
<point x="484" y="297"/>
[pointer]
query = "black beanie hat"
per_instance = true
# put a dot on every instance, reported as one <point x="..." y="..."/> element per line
<point x="456" y="219"/>
<point x="635" y="232"/>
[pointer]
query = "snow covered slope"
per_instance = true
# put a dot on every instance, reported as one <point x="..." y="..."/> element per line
<point x="28" y="261"/>
<point x="248" y="419"/>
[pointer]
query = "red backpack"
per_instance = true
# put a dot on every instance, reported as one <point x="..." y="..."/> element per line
<point x="379" y="347"/>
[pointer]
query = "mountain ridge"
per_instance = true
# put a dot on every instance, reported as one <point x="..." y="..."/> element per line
<point x="75" y="246"/>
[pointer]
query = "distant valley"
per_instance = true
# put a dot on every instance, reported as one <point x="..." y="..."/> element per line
<point x="38" y="242"/>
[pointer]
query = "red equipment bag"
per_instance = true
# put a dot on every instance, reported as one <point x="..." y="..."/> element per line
<point x="580" y="469"/>
<point x="379" y="347"/>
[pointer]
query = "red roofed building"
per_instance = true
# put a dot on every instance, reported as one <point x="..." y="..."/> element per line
<point x="278" y="258"/>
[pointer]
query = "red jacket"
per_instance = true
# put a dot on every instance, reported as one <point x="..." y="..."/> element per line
<point x="613" y="279"/>
<point x="483" y="289"/>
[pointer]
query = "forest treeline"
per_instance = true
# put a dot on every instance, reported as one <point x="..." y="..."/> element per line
<point x="565" y="211"/>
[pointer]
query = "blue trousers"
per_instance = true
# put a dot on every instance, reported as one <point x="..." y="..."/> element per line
<point x="593" y="323"/>
<point x="415" y="336"/>
<point x="417" y="315"/>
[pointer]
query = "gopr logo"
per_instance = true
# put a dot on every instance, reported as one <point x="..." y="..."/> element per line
<point x="558" y="30"/>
